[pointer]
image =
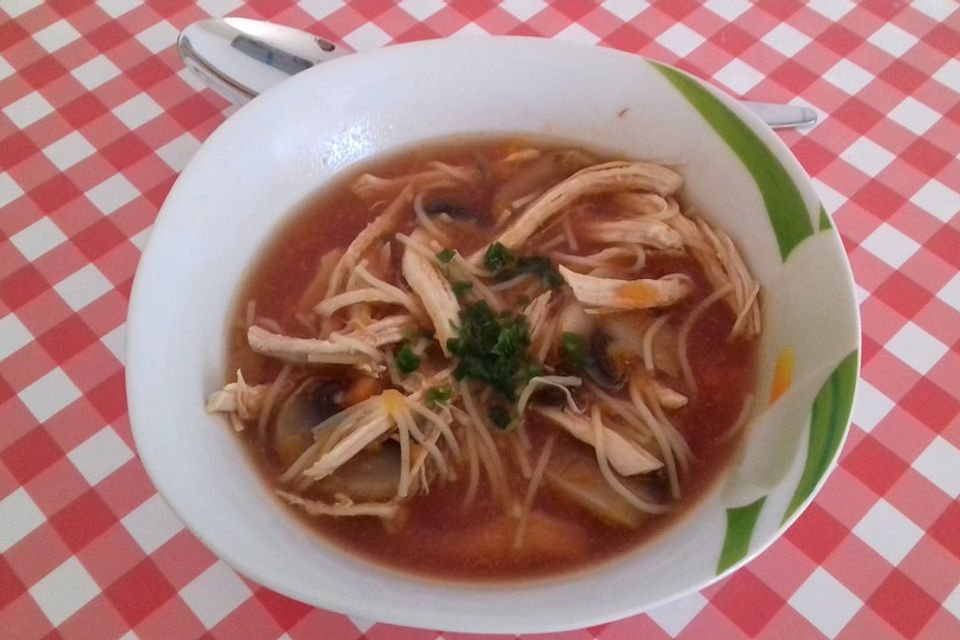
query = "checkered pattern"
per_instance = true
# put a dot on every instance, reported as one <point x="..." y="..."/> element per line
<point x="96" y="117"/>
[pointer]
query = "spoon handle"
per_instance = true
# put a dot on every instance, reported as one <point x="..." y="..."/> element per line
<point x="240" y="58"/>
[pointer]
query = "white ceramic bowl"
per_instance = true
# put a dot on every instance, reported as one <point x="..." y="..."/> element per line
<point x="285" y="144"/>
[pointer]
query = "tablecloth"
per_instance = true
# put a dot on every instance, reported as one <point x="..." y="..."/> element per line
<point x="97" y="116"/>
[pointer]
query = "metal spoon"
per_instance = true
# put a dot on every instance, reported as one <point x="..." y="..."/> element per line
<point x="240" y="58"/>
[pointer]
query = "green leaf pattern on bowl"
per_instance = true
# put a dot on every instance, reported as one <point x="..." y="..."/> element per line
<point x="792" y="225"/>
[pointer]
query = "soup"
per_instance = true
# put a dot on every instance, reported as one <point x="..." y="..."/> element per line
<point x="493" y="359"/>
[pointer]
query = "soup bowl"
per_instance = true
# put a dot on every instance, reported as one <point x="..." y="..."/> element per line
<point x="253" y="171"/>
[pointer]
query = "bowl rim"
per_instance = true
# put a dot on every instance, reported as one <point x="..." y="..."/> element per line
<point x="537" y="46"/>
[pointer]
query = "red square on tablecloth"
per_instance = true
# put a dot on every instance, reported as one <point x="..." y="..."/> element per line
<point x="903" y="604"/>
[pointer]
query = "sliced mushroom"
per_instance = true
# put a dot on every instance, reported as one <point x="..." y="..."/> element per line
<point x="370" y="476"/>
<point x="602" y="368"/>
<point x="312" y="402"/>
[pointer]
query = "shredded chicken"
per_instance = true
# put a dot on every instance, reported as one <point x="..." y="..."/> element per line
<point x="649" y="233"/>
<point x="344" y="506"/>
<point x="626" y="457"/>
<point x="381" y="225"/>
<point x="609" y="295"/>
<point x="434" y="291"/>
<point x="358" y="347"/>
<point x="598" y="179"/>
<point x="239" y="398"/>
<point x="722" y="264"/>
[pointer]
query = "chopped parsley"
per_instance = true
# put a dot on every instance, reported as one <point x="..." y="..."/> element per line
<point x="446" y="255"/>
<point x="407" y="361"/>
<point x="497" y="257"/>
<point x="573" y="351"/>
<point x="461" y="288"/>
<point x="504" y="265"/>
<point x="439" y="395"/>
<point x="499" y="416"/>
<point x="493" y="349"/>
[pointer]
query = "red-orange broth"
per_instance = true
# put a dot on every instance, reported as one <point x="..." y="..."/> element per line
<point x="439" y="538"/>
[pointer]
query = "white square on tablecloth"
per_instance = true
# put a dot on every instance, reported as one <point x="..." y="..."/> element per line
<point x="952" y="603"/>
<point x="940" y="464"/>
<point x="916" y="347"/>
<point x="786" y="39"/>
<point x="892" y="39"/>
<point x="577" y="33"/>
<point x="523" y="10"/>
<point x="5" y="69"/>
<point x="868" y="156"/>
<point x="421" y="9"/>
<point x="831" y="199"/>
<point x="114" y="341"/>
<point x="626" y="10"/>
<point x="938" y="200"/>
<point x="870" y="407"/>
<point x="28" y="110"/>
<point x="890" y="245"/>
<point x="112" y="193"/>
<point x="738" y="76"/>
<point x="939" y="10"/>
<point x="138" y="110"/>
<point x="57" y="35"/>
<point x="825" y="602"/>
<point x="914" y="115"/>
<point x="320" y="9"/>
<point x="83" y="286"/>
<point x="152" y="524"/>
<point x="95" y="72"/>
<point x="831" y="9"/>
<point x="469" y="30"/>
<point x="49" y="394"/>
<point x="100" y="455"/>
<point x="64" y="590"/>
<point x="9" y="189"/>
<point x="19" y="515"/>
<point x="362" y="624"/>
<point x="729" y="10"/>
<point x="68" y="150"/>
<point x="860" y="293"/>
<point x="158" y="37"/>
<point x="368" y="36"/>
<point x="178" y="151"/>
<point x="219" y="8"/>
<point x="888" y="532"/>
<point x="848" y="77"/>
<point x="13" y="335"/>
<point x="16" y="8"/>
<point x="215" y="593"/>
<point x="680" y="39"/>
<point x="116" y="8"/>
<point x="674" y="616"/>
<point x="950" y="293"/>
<point x="37" y="239"/>
<point x="949" y="74"/>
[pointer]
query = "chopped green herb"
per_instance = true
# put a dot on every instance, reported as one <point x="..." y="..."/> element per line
<point x="497" y="257"/>
<point x="407" y="361"/>
<point x="540" y="266"/>
<point x="493" y="349"/>
<point x="504" y="265"/>
<point x="446" y="255"/>
<point x="461" y="288"/>
<point x="439" y="395"/>
<point x="500" y="416"/>
<point x="573" y="351"/>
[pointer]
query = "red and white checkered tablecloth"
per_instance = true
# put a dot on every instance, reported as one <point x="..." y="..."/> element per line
<point x="97" y="116"/>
